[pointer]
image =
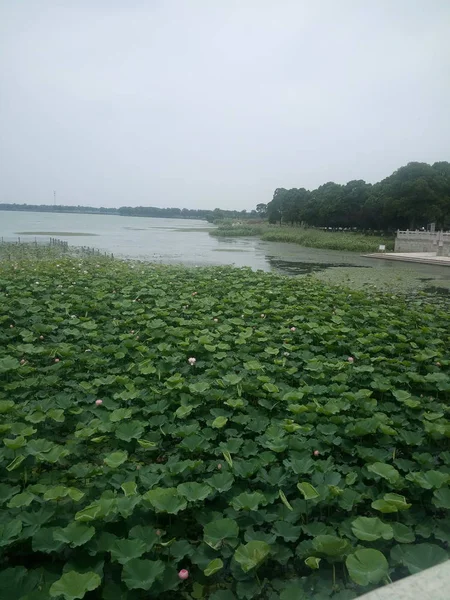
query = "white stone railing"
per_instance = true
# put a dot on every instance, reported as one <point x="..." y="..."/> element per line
<point x="426" y="235"/>
<point x="423" y="241"/>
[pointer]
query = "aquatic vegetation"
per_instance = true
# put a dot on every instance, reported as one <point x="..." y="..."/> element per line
<point x="202" y="433"/>
<point x="308" y="237"/>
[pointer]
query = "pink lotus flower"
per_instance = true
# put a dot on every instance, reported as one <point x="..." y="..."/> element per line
<point x="215" y="320"/>
<point x="183" y="574"/>
<point x="438" y="364"/>
<point x="41" y="337"/>
<point x="263" y="316"/>
<point x="192" y="361"/>
<point x="11" y="326"/>
<point x="56" y="360"/>
<point x="292" y="328"/>
<point x="316" y="453"/>
<point x="22" y="362"/>
<point x="351" y="359"/>
<point x="98" y="402"/>
<point x="194" y="294"/>
<point x="219" y="466"/>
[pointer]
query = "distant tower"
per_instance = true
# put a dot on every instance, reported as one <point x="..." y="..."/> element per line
<point x="54" y="197"/>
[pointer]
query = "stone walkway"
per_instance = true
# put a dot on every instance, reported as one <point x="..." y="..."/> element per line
<point x="428" y="258"/>
<point x="431" y="584"/>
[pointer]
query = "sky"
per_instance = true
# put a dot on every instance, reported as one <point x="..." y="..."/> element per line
<point x="216" y="103"/>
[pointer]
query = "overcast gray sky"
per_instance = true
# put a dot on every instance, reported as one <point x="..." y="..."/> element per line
<point x="215" y="103"/>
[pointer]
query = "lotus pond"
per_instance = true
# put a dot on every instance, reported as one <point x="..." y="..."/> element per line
<point x="216" y="433"/>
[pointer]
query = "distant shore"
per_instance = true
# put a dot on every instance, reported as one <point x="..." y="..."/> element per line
<point x="309" y="237"/>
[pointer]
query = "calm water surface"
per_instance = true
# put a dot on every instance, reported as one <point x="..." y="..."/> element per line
<point x="188" y="242"/>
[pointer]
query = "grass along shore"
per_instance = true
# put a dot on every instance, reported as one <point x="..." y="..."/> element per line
<point x="312" y="238"/>
<point x="215" y="433"/>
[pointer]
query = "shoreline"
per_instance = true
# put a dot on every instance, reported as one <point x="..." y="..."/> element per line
<point x="427" y="258"/>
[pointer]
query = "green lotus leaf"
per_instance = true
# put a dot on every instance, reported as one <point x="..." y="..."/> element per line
<point x="183" y="411"/>
<point x="145" y="533"/>
<point x="147" y="445"/>
<point x="271" y="388"/>
<point x="309" y="492"/>
<point x="74" y="585"/>
<point x="56" y="493"/>
<point x="235" y="402"/>
<point x="75" y="494"/>
<point x="312" y="562"/>
<point x="193" y="492"/>
<point x="418" y="557"/>
<point x="429" y="480"/>
<point x="128" y="430"/>
<point x="75" y="534"/>
<point x="115" y="459"/>
<point x="15" y="463"/>
<point x="253" y="365"/>
<point x="57" y="414"/>
<point x="9" y="531"/>
<point x="214" y="566"/>
<point x="8" y="363"/>
<point x="384" y="470"/>
<point x="220" y="530"/>
<point x="219" y="422"/>
<point x="227" y="457"/>
<point x="367" y="566"/>
<point x="402" y="533"/>
<point x="165" y="500"/>
<point x="23" y="499"/>
<point x="284" y="500"/>
<point x="222" y="595"/>
<point x="15" y="443"/>
<point x="370" y="529"/>
<point x="289" y="532"/>
<point x="7" y="491"/>
<point x="232" y="379"/>
<point x="248" y="501"/>
<point x="129" y="488"/>
<point x="6" y="406"/>
<point x="331" y="546"/>
<point x="141" y="573"/>
<point x="123" y="551"/>
<point x="199" y="388"/>
<point x="441" y="498"/>
<point x="221" y="482"/>
<point x="384" y="507"/>
<point x="119" y="414"/>
<point x="43" y="541"/>
<point x="147" y="368"/>
<point x="251" y="555"/>
<point x="391" y="503"/>
<point x="40" y="447"/>
<point x="301" y="466"/>
<point x="401" y="395"/>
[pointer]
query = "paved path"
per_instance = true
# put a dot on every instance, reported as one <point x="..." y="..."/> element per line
<point x="431" y="584"/>
<point x="428" y="258"/>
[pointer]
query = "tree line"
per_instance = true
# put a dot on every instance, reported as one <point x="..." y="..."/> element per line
<point x="412" y="197"/>
<point x="137" y="211"/>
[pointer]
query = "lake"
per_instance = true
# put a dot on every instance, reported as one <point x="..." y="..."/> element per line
<point x="188" y="242"/>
